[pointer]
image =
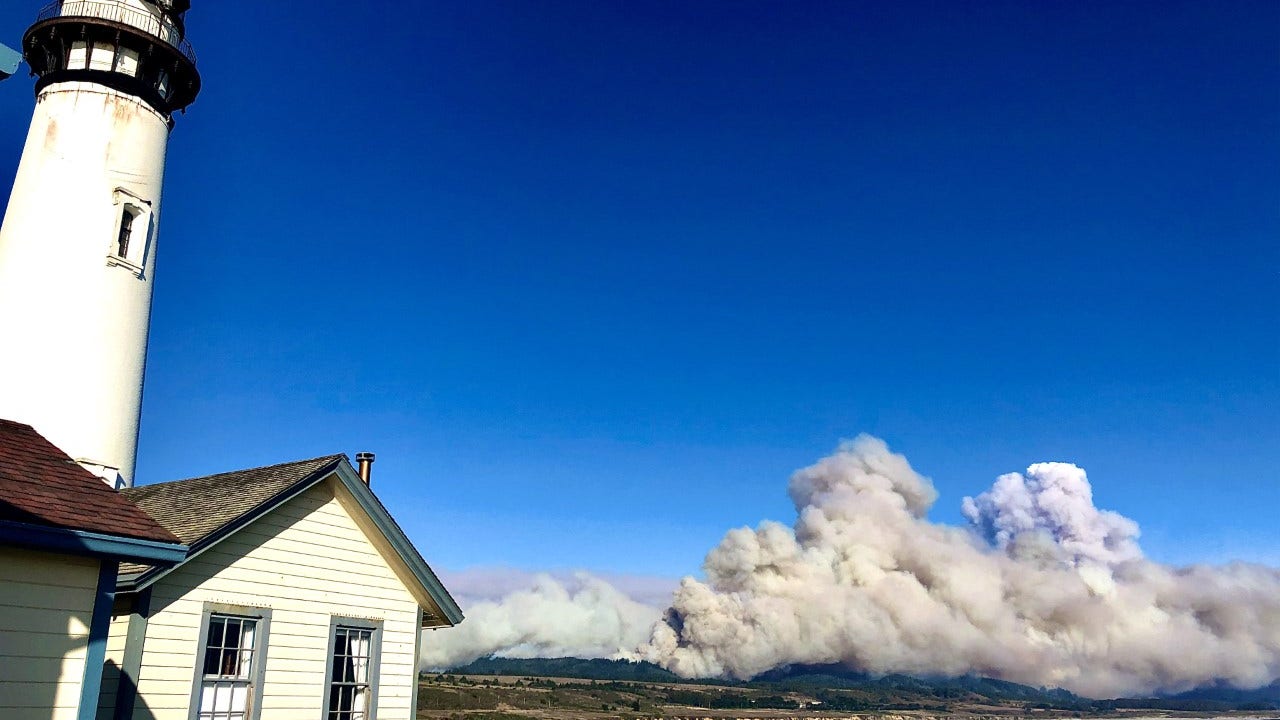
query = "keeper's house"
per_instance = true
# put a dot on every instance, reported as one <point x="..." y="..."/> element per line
<point x="278" y="592"/>
<point x="300" y="597"/>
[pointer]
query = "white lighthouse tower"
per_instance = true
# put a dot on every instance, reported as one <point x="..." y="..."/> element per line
<point x="78" y="241"/>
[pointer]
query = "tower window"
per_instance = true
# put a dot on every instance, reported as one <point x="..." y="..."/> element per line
<point x="162" y="83"/>
<point x="78" y="58"/>
<point x="129" y="246"/>
<point x="102" y="56"/>
<point x="126" y="231"/>
<point x="127" y="62"/>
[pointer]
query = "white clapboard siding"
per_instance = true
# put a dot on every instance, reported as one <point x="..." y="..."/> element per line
<point x="307" y="561"/>
<point x="45" y="611"/>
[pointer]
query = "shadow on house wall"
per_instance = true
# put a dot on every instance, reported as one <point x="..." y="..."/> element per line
<point x="29" y="684"/>
<point x="124" y="687"/>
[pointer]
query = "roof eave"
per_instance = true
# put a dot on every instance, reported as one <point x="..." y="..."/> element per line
<point x="84" y="542"/>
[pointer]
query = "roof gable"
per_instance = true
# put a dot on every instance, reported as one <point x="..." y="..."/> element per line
<point x="42" y="486"/>
<point x="441" y="608"/>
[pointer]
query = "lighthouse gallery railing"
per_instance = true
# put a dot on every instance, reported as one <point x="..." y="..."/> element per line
<point x="118" y="12"/>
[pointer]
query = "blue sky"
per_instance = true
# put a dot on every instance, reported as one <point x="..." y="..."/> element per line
<point x="592" y="278"/>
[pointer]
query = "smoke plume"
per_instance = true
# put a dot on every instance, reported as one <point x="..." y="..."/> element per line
<point x="577" y="616"/>
<point x="1042" y="588"/>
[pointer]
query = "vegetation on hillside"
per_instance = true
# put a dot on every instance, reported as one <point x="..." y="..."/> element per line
<point x="619" y="689"/>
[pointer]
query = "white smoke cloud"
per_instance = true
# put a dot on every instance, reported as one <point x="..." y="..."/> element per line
<point x="1053" y="502"/>
<point x="577" y="616"/>
<point x="478" y="584"/>
<point x="1046" y="590"/>
<point x="1043" y="588"/>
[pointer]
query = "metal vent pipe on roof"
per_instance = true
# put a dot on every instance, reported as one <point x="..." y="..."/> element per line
<point x="365" y="462"/>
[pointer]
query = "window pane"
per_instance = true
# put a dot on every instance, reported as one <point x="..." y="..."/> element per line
<point x="215" y="632"/>
<point x="247" y="633"/>
<point x="233" y="634"/>
<point x="79" y="57"/>
<point x="102" y="57"/>
<point x="128" y="62"/>
<point x="228" y="664"/>
<point x="359" y="644"/>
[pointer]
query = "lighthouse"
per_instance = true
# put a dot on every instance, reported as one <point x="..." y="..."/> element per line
<point x="79" y="236"/>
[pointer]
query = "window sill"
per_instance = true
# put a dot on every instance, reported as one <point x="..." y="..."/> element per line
<point x="121" y="262"/>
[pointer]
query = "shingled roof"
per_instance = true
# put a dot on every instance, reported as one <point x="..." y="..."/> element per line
<point x="196" y="509"/>
<point x="41" y="485"/>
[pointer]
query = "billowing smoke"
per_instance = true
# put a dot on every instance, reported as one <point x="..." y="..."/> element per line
<point x="577" y="616"/>
<point x="1045" y="589"/>
<point x="1053" y="503"/>
<point x="1042" y="588"/>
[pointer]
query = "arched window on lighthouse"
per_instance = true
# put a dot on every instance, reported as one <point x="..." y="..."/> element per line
<point x="128" y="246"/>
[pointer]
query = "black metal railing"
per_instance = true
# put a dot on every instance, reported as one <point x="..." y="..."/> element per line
<point x="119" y="12"/>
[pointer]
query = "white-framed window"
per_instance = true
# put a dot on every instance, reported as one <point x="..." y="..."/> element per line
<point x="229" y="667"/>
<point x="351" y="683"/>
<point x="132" y="231"/>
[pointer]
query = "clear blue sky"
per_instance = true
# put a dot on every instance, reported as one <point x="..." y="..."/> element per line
<point x="592" y="278"/>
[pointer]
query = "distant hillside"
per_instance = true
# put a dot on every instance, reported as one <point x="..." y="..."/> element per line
<point x="836" y="677"/>
<point x="839" y="688"/>
<point x="1268" y="696"/>
<point x="874" y="691"/>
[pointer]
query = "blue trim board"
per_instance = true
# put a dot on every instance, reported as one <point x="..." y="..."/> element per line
<point x="82" y="542"/>
<point x="99" y="626"/>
